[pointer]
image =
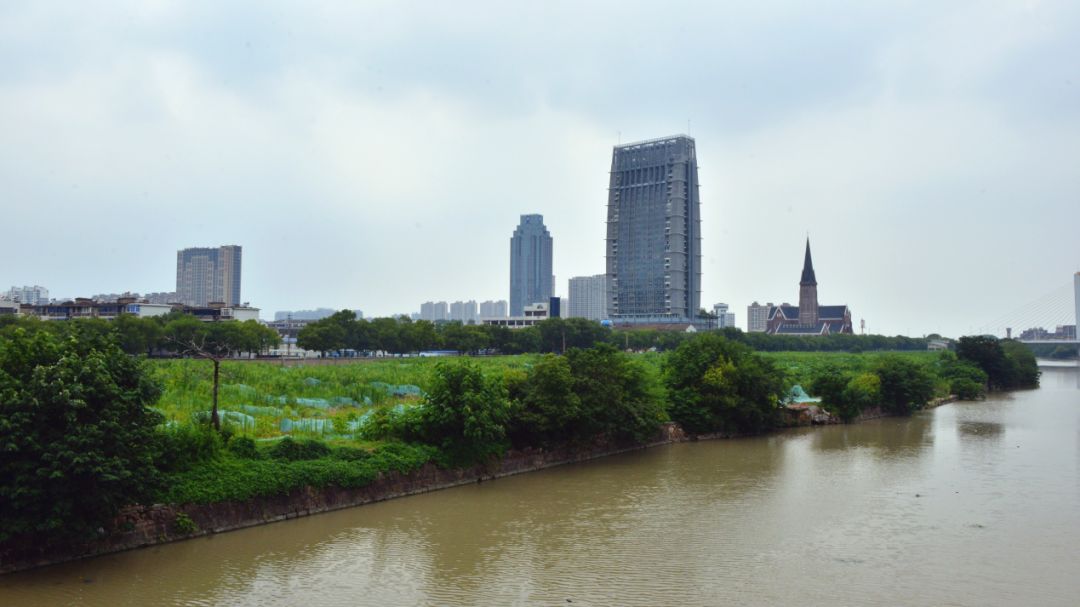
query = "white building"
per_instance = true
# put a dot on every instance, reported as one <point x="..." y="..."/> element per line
<point x="588" y="297"/>
<point x="724" y="318"/>
<point x="533" y="313"/>
<point x="35" y="295"/>
<point x="494" y="309"/>
<point x="757" y="317"/>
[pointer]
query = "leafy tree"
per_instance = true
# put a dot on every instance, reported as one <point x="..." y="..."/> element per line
<point x="137" y="335"/>
<point x="1025" y="369"/>
<point x="717" y="384"/>
<point x="985" y="352"/>
<point x="465" y="413"/>
<point x="76" y="436"/>
<point x="905" y="387"/>
<point x="620" y="398"/>
<point x="320" y="336"/>
<point x="548" y="408"/>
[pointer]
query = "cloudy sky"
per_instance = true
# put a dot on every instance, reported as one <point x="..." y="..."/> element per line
<point x="375" y="154"/>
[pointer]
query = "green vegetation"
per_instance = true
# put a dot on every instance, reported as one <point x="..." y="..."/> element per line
<point x="86" y="428"/>
<point x="76" y="435"/>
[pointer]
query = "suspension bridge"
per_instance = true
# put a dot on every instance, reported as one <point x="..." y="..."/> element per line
<point x="1048" y="320"/>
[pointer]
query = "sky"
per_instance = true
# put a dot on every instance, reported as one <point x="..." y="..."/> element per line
<point x="379" y="154"/>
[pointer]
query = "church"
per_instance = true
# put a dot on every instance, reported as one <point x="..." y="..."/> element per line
<point x="808" y="318"/>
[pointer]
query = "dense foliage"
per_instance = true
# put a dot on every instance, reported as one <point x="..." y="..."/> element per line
<point x="1008" y="364"/>
<point x="715" y="384"/>
<point x="77" y="440"/>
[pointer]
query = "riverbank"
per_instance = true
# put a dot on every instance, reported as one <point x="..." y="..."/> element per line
<point x="144" y="526"/>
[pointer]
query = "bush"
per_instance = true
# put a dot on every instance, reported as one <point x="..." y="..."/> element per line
<point x="717" y="384"/>
<point x="619" y="396"/>
<point x="464" y="413"/>
<point x="906" y="386"/>
<point x="295" y="450"/>
<point x="243" y="446"/>
<point x="966" y="389"/>
<point x="547" y="409"/>
<point x="350" y="454"/>
<point x="182" y="446"/>
<point x="77" y="438"/>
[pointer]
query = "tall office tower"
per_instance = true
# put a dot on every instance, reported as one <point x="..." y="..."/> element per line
<point x="204" y="275"/>
<point x="588" y="297"/>
<point x="531" y="280"/>
<point x="654" y="231"/>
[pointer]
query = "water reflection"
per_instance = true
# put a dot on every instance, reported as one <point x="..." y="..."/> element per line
<point x="888" y="437"/>
<point x="980" y="430"/>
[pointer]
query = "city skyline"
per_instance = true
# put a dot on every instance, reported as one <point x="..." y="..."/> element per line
<point x="914" y="139"/>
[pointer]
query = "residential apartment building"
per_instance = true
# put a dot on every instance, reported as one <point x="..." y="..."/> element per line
<point x="35" y="295"/>
<point x="493" y="309"/>
<point x="206" y="275"/>
<point x="588" y="297"/>
<point x="757" y="317"/>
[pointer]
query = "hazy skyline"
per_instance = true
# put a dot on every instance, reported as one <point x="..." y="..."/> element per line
<point x="377" y="155"/>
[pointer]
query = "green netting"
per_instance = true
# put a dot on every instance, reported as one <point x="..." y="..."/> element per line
<point x="312" y="381"/>
<point x="397" y="389"/>
<point x="256" y="410"/>
<point x="798" y="395"/>
<point x="308" y="424"/>
<point x="244" y="420"/>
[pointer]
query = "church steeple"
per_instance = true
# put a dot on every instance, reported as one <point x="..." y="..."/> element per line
<point x="808" y="277"/>
<point x="808" y="305"/>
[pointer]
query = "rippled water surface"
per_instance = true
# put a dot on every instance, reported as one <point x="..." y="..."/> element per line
<point x="969" y="504"/>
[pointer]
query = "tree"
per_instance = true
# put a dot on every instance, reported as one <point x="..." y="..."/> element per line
<point x="905" y="386"/>
<point x="717" y="384"/>
<point x="213" y="341"/>
<point x="320" y="336"/>
<point x="548" y="408"/>
<point x="619" y="396"/>
<point x="465" y="413"/>
<point x="137" y="335"/>
<point x="76" y="436"/>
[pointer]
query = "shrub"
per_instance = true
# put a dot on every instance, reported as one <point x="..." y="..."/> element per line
<point x="966" y="389"/>
<point x="547" y="408"/>
<point x="183" y="524"/>
<point x="350" y="454"/>
<point x="182" y="446"/>
<point x="243" y="446"/>
<point x="77" y="437"/>
<point x="717" y="384"/>
<point x="620" y="397"/>
<point x="906" y="386"/>
<point x="295" y="450"/>
<point x="464" y="413"/>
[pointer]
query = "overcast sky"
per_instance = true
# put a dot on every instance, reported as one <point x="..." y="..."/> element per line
<point x="376" y="155"/>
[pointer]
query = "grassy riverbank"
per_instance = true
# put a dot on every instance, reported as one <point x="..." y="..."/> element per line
<point x="89" y="429"/>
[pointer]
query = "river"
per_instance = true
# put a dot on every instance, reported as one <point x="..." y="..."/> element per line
<point x="967" y="504"/>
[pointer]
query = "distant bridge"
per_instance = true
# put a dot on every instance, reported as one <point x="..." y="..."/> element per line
<point x="1058" y="310"/>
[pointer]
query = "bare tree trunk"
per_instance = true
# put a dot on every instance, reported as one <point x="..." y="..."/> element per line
<point x="213" y="412"/>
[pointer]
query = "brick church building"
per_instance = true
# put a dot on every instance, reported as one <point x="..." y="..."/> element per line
<point x="808" y="318"/>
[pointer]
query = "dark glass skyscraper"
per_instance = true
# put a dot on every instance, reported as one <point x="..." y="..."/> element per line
<point x="654" y="231"/>
<point x="531" y="280"/>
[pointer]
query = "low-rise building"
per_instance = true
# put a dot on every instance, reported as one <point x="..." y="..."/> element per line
<point x="533" y="314"/>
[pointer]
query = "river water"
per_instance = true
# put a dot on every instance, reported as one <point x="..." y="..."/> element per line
<point x="968" y="504"/>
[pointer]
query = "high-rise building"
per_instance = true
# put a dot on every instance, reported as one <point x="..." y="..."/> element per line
<point x="205" y="275"/>
<point x="531" y="280"/>
<point x="757" y="317"/>
<point x="588" y="297"/>
<point x="654" y="231"/>
<point x="36" y="295"/>
<point x="724" y="319"/>
<point x="493" y="309"/>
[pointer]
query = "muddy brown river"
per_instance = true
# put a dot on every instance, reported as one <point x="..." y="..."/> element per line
<point x="967" y="504"/>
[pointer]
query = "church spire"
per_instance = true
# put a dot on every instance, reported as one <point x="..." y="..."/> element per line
<point x="808" y="277"/>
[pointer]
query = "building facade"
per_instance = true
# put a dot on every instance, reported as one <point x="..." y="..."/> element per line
<point x="493" y="309"/>
<point x="35" y="295"/>
<point x="808" y="318"/>
<point x="531" y="279"/>
<point x="654" y="231"/>
<point x="588" y="297"/>
<point x="206" y="275"/>
<point x="724" y="319"/>
<point x="757" y="317"/>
